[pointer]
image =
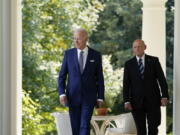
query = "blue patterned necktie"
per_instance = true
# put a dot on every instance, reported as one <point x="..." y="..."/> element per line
<point x="81" y="61"/>
<point x="141" y="68"/>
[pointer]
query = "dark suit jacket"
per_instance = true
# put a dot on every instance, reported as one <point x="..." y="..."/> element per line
<point x="153" y="86"/>
<point x="86" y="87"/>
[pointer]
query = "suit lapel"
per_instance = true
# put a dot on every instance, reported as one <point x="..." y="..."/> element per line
<point x="146" y="65"/>
<point x="76" y="60"/>
<point x="135" y="65"/>
<point x="87" y="60"/>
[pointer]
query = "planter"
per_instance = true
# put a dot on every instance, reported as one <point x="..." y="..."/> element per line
<point x="102" y="111"/>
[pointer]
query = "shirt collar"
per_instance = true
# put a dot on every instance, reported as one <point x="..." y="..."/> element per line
<point x="85" y="50"/>
<point x="137" y="57"/>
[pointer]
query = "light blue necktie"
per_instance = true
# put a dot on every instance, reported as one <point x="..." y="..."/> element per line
<point x="81" y="64"/>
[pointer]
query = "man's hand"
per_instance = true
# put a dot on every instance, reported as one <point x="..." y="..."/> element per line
<point x="164" y="101"/>
<point x="63" y="100"/>
<point x="127" y="106"/>
<point x="99" y="103"/>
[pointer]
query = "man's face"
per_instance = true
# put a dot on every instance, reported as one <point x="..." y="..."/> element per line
<point x="80" y="39"/>
<point x="138" y="48"/>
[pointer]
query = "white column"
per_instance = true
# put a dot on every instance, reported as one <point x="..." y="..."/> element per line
<point x="153" y="33"/>
<point x="176" y="92"/>
<point x="10" y="67"/>
<point x="1" y="88"/>
<point x="5" y="75"/>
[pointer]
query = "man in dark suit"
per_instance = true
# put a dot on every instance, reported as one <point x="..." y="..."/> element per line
<point x="144" y="89"/>
<point x="85" y="84"/>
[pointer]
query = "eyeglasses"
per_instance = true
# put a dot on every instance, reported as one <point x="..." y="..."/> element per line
<point x="77" y="39"/>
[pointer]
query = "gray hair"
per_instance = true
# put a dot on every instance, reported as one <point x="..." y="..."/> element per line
<point x="80" y="30"/>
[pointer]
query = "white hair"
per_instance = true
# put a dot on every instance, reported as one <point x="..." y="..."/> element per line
<point x="80" y="30"/>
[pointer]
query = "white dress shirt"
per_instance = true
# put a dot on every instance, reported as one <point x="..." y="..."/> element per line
<point x="143" y="59"/>
<point x="85" y="54"/>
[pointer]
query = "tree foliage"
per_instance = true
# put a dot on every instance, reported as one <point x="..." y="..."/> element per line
<point x="35" y="121"/>
<point x="120" y="24"/>
<point x="113" y="81"/>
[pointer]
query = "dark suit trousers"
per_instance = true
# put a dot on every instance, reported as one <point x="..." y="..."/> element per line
<point x="80" y="117"/>
<point x="149" y="112"/>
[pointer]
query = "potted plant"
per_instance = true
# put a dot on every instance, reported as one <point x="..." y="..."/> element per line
<point x="103" y="109"/>
<point x="106" y="106"/>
